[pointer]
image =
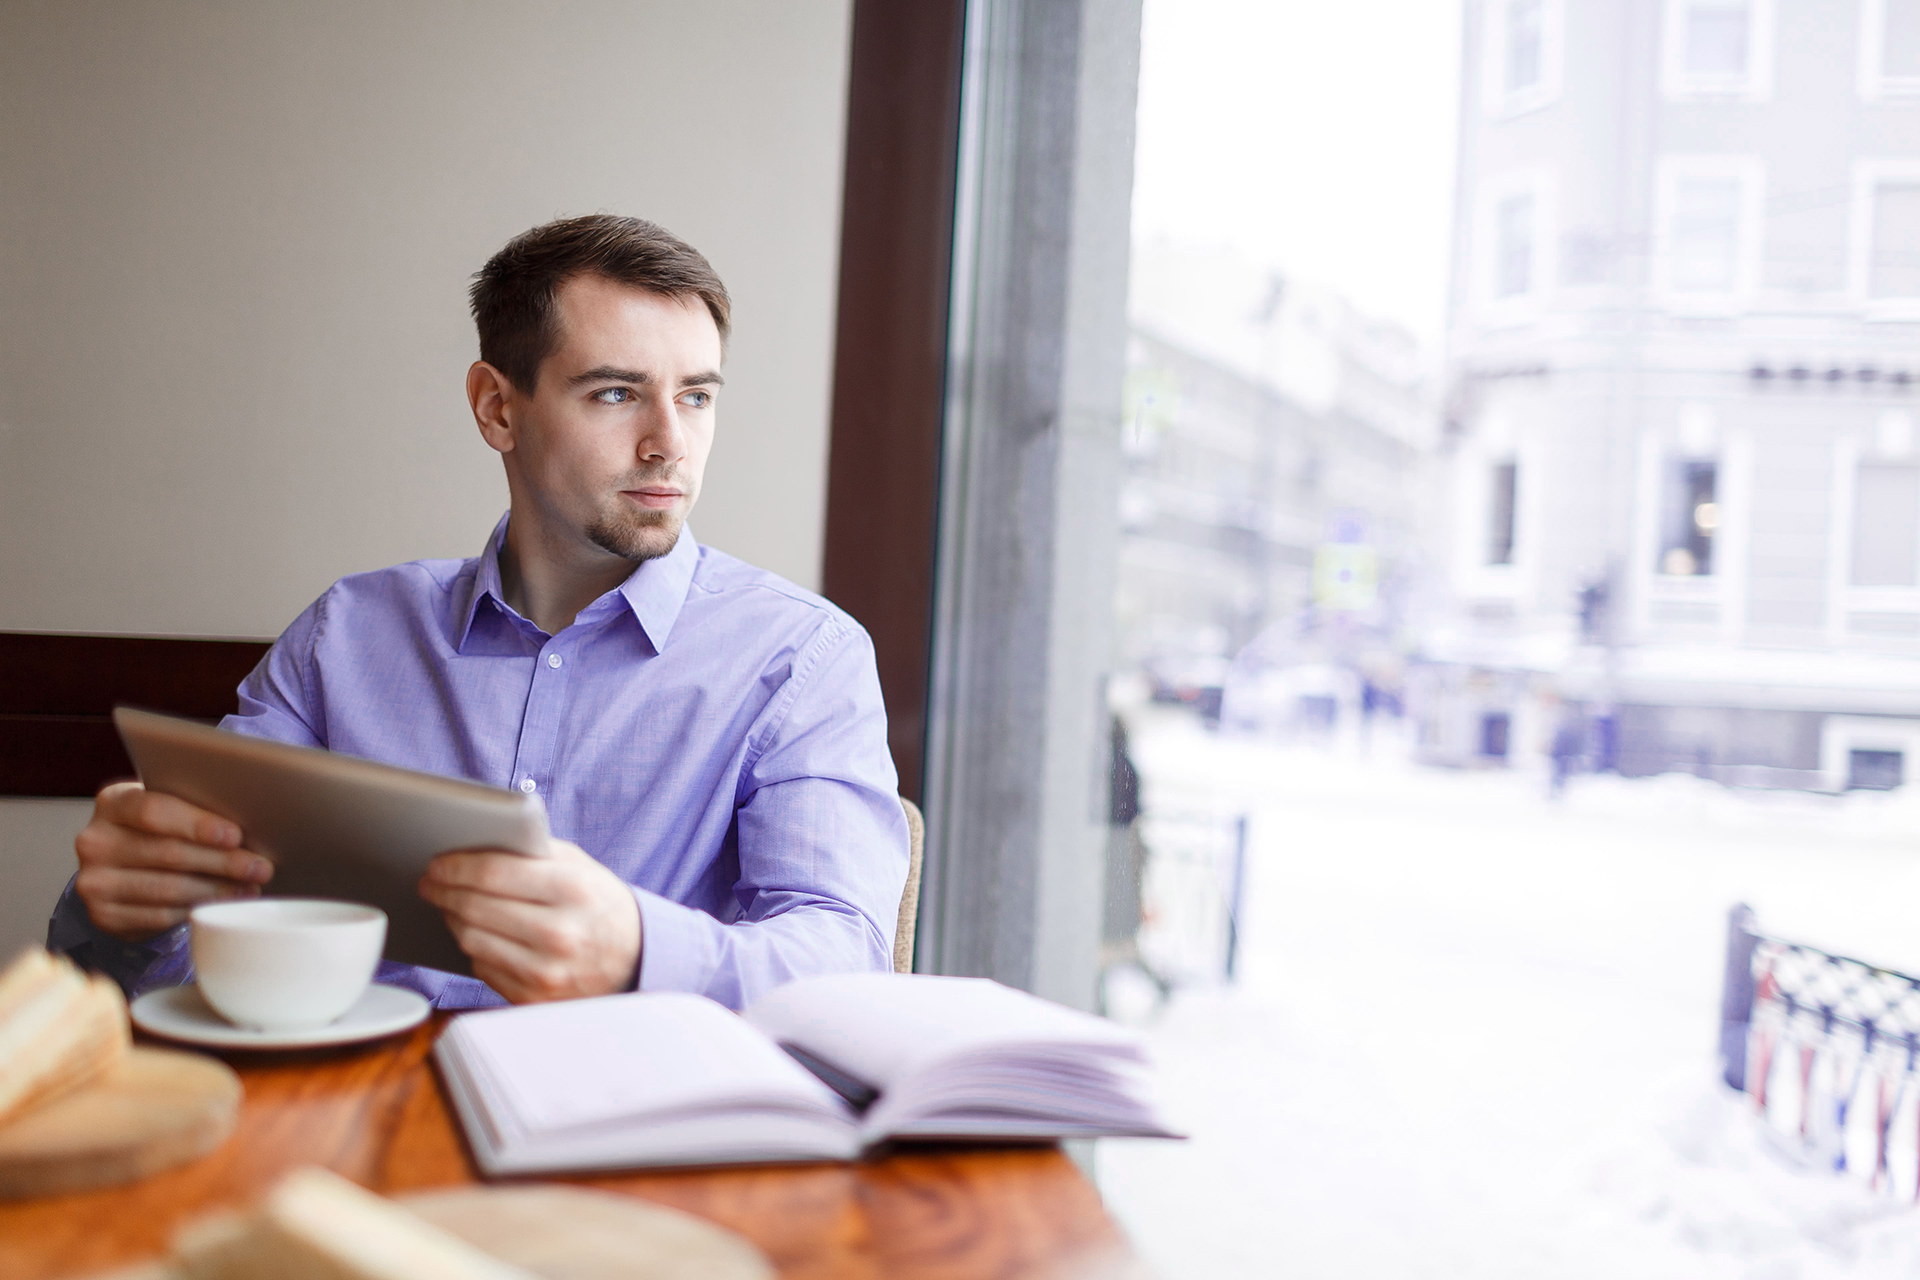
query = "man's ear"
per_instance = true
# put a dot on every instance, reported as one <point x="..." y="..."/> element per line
<point x="488" y="391"/>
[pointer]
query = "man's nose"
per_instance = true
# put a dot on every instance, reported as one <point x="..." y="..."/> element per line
<point x="665" y="440"/>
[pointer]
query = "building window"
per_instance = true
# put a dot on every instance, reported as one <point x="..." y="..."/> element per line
<point x="1522" y="55"/>
<point x="1501" y="509"/>
<point x="1513" y="251"/>
<point x="1718" y="48"/>
<point x="1706" y="235"/>
<point x="1523" y="52"/>
<point x="1886" y="527"/>
<point x="1708" y="227"/>
<point x="1875" y="770"/>
<point x="1689" y="519"/>
<point x="1893" y="246"/>
<point x="1889" y="48"/>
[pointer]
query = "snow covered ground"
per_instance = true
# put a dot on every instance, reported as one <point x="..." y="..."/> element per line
<point x="1474" y="1028"/>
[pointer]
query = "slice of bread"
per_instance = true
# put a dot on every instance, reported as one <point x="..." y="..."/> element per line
<point x="317" y="1225"/>
<point x="59" y="1029"/>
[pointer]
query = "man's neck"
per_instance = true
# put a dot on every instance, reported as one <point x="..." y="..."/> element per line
<point x="549" y="581"/>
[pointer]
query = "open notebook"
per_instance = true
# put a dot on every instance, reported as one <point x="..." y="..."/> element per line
<point x="819" y="1069"/>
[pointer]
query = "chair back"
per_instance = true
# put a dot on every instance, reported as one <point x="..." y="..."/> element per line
<point x="910" y="896"/>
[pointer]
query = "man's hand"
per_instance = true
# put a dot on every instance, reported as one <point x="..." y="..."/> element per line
<point x="548" y="928"/>
<point x="146" y="860"/>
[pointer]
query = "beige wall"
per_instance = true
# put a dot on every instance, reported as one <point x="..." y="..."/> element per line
<point x="234" y="243"/>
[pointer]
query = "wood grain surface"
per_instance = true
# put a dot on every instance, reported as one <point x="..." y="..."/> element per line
<point x="152" y="1110"/>
<point x="376" y="1114"/>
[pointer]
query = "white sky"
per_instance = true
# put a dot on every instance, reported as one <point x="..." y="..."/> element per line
<point x="1315" y="136"/>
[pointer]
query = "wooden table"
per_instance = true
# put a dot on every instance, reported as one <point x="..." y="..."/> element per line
<point x="377" y="1115"/>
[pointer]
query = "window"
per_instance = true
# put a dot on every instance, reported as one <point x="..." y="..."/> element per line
<point x="1875" y="770"/>
<point x="1501" y="512"/>
<point x="1522" y="55"/>
<point x="1707" y="238"/>
<point x="1893" y="264"/>
<point x="1513" y="253"/>
<point x="1718" y="48"/>
<point x="1886" y="527"/>
<point x="1523" y="52"/>
<point x="1689" y="517"/>
<point x="1706" y="235"/>
<point x="1886" y="237"/>
<point x="1889" y="48"/>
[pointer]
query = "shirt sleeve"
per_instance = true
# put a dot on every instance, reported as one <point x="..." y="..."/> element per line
<point x="822" y="843"/>
<point x="274" y="704"/>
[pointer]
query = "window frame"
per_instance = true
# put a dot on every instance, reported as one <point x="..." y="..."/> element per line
<point x="1677" y="84"/>
<point x="1669" y="172"/>
<point x="1499" y="102"/>
<point x="1519" y="308"/>
<point x="1869" y="174"/>
<point x="1874" y="84"/>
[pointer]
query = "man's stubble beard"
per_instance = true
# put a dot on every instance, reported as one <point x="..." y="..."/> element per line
<point x="638" y="534"/>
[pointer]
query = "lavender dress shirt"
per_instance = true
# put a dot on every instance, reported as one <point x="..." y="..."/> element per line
<point x="711" y="732"/>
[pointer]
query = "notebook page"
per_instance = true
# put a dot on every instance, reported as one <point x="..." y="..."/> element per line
<point x="584" y="1062"/>
<point x="883" y="1027"/>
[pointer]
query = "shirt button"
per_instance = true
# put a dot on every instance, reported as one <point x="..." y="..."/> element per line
<point x="553" y="659"/>
<point x="526" y="784"/>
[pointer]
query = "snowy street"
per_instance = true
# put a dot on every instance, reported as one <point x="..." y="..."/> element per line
<point x="1474" y="1029"/>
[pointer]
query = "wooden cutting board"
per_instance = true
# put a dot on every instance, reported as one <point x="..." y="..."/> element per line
<point x="569" y="1233"/>
<point x="154" y="1109"/>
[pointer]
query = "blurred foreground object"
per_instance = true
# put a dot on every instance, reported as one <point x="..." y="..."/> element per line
<point x="81" y="1107"/>
<point x="1828" y="1049"/>
<point x="58" y="1029"/>
<point x="316" y="1225"/>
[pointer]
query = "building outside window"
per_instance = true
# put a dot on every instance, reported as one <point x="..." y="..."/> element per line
<point x="1689" y="517"/>
<point x="1718" y="48"/>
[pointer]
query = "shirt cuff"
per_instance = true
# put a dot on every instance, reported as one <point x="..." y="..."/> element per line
<point x="677" y="946"/>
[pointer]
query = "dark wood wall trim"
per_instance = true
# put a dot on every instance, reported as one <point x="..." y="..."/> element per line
<point x="55" y="735"/>
<point x="890" y="362"/>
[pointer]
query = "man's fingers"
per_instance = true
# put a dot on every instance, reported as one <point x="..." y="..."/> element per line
<point x="128" y="804"/>
<point x="502" y="875"/>
<point x="507" y="966"/>
<point x="134" y="923"/>
<point x="123" y="847"/>
<point x="533" y="925"/>
<point x="126" y="886"/>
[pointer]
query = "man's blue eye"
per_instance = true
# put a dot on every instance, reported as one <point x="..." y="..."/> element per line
<point x="698" y="399"/>
<point x="622" y="393"/>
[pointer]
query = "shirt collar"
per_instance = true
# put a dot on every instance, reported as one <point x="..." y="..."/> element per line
<point x="654" y="592"/>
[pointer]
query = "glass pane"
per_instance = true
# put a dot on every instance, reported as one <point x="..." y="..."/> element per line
<point x="1689" y="520"/>
<point x="1501" y="509"/>
<point x="1716" y="39"/>
<point x="1524" y="36"/>
<point x="1886" y="527"/>
<point x="1705" y="236"/>
<point x="1894" y="271"/>
<point x="1900" y="47"/>
<point x="1513" y="264"/>
<point x="1432" y="914"/>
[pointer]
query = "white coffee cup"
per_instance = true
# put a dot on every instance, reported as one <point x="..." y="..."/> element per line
<point x="286" y="964"/>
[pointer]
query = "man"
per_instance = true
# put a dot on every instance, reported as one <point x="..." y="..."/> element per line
<point x="709" y="738"/>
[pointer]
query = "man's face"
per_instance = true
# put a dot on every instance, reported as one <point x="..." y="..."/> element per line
<point x="611" y="445"/>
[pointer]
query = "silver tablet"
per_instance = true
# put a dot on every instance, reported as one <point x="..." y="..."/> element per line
<point x="337" y="826"/>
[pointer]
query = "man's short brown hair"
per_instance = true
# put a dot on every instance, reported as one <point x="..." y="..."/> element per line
<point x="513" y="295"/>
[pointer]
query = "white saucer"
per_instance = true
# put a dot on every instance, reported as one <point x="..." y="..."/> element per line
<point x="179" y="1013"/>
